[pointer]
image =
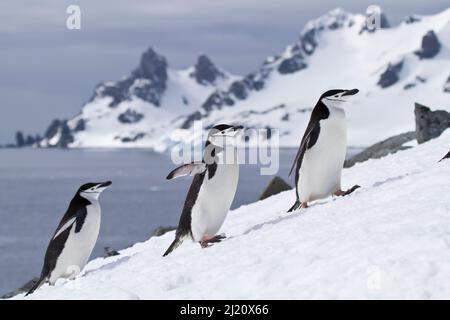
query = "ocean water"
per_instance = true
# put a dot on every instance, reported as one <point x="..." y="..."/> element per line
<point x="36" y="187"/>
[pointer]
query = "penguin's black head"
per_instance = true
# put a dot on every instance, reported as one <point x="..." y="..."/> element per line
<point x="337" y="97"/>
<point x="92" y="190"/>
<point x="221" y="133"/>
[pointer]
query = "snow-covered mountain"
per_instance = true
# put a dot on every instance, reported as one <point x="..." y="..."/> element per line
<point x="390" y="239"/>
<point x="140" y="105"/>
<point x="393" y="67"/>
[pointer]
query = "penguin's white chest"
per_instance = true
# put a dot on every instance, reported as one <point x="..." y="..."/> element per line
<point x="214" y="201"/>
<point x="79" y="246"/>
<point x="320" y="172"/>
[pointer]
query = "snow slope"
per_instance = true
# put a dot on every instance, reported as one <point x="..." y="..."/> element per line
<point x="390" y="239"/>
<point x="388" y="66"/>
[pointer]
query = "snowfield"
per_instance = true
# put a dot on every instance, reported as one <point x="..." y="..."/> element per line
<point x="390" y="239"/>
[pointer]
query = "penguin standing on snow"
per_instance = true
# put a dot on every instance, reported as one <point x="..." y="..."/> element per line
<point x="320" y="158"/>
<point x="212" y="190"/>
<point x="74" y="239"/>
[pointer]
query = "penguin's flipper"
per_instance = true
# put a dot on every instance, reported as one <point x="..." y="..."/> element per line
<point x="175" y="244"/>
<point x="309" y="139"/>
<point x="36" y="286"/>
<point x="187" y="169"/>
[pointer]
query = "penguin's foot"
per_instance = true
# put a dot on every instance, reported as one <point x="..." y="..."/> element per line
<point x="341" y="193"/>
<point x="298" y="205"/>
<point x="208" y="241"/>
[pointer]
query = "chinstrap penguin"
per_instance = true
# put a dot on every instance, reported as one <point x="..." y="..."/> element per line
<point x="321" y="155"/>
<point x="74" y="239"/>
<point x="212" y="190"/>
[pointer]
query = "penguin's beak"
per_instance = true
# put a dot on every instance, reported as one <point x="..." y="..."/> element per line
<point x="230" y="132"/>
<point x="351" y="92"/>
<point x="233" y="131"/>
<point x="104" y="185"/>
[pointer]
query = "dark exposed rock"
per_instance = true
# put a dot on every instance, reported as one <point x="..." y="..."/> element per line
<point x="293" y="64"/>
<point x="31" y="140"/>
<point x="20" y="139"/>
<point x="59" y="128"/>
<point x="110" y="252"/>
<point x="308" y="41"/>
<point x="391" y="75"/>
<point x="190" y="119"/>
<point x="382" y="149"/>
<point x="118" y="91"/>
<point x="133" y="138"/>
<point x="430" y="46"/>
<point x="25" y="288"/>
<point x="80" y="126"/>
<point x="384" y="22"/>
<point x="162" y="230"/>
<point x="217" y="100"/>
<point x="239" y="90"/>
<point x="430" y="124"/>
<point x="152" y="66"/>
<point x="205" y="71"/>
<point x="23" y="140"/>
<point x="414" y="83"/>
<point x="148" y="81"/>
<point x="409" y="86"/>
<point x="130" y="116"/>
<point x="285" y="117"/>
<point x="275" y="186"/>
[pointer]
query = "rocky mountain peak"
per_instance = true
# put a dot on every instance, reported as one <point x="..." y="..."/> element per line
<point x="152" y="66"/>
<point x="147" y="82"/>
<point x="205" y="72"/>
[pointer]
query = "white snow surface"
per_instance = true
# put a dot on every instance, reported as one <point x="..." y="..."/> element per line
<point x="343" y="58"/>
<point x="390" y="239"/>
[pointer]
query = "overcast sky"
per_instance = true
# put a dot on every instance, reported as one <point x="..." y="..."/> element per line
<point x="47" y="71"/>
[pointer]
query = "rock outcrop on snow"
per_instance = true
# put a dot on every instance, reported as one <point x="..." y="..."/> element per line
<point x="430" y="124"/>
<point x="391" y="75"/>
<point x="430" y="46"/>
<point x="275" y="186"/>
<point x="382" y="148"/>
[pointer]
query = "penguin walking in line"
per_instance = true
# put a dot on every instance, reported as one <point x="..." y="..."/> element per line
<point x="74" y="239"/>
<point x="321" y="155"/>
<point x="212" y="190"/>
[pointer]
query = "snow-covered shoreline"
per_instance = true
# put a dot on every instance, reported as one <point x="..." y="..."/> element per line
<point x="388" y="240"/>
